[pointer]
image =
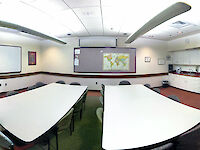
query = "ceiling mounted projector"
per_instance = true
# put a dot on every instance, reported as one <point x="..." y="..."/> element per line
<point x="172" y="11"/>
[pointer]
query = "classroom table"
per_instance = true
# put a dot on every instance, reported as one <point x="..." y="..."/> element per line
<point x="135" y="116"/>
<point x="30" y="114"/>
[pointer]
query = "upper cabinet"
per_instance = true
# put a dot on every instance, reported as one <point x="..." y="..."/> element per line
<point x="186" y="57"/>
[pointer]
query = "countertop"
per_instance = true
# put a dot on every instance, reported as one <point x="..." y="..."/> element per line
<point x="190" y="74"/>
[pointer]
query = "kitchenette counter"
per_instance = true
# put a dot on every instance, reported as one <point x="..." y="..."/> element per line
<point x="185" y="81"/>
<point x="190" y="74"/>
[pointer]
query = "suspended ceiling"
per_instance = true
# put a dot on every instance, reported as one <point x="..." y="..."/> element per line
<point x="66" y="18"/>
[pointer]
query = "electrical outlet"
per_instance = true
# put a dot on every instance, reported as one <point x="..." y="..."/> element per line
<point x="6" y="84"/>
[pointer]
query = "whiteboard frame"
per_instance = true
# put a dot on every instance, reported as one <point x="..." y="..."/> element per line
<point x="20" y="59"/>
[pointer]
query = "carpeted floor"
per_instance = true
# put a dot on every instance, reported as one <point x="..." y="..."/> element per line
<point x="186" y="97"/>
<point x="87" y="133"/>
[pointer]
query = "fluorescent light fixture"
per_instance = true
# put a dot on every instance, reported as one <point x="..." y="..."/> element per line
<point x="168" y="13"/>
<point x="30" y="31"/>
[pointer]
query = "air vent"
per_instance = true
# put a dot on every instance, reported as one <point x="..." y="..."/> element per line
<point x="179" y="24"/>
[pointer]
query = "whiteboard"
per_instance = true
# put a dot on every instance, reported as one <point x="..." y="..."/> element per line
<point x="10" y="59"/>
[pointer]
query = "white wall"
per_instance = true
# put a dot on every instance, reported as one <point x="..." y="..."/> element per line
<point x="59" y="58"/>
<point x="28" y="44"/>
<point x="95" y="83"/>
<point x="187" y="42"/>
<point x="53" y="57"/>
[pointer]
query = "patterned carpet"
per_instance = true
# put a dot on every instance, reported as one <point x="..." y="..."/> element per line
<point x="187" y="98"/>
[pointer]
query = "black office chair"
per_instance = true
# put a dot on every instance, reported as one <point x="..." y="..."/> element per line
<point x="84" y="99"/>
<point x="174" y="97"/>
<point x="5" y="142"/>
<point x="102" y="89"/>
<point x="10" y="93"/>
<point x="31" y="87"/>
<point x="124" y="82"/>
<point x="61" y="82"/>
<point x="74" y="83"/>
<point x="156" y="90"/>
<point x="189" y="140"/>
<point x="66" y="122"/>
<point x="147" y="85"/>
<point x="40" y="84"/>
<point x="78" y="109"/>
<point x="63" y="124"/>
<point x="168" y="146"/>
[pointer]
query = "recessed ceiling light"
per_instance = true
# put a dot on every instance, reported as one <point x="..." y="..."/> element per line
<point x="88" y="13"/>
<point x="180" y="32"/>
<point x="180" y="24"/>
<point x="151" y="36"/>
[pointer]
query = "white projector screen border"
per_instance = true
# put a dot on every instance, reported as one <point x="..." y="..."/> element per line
<point x="10" y="59"/>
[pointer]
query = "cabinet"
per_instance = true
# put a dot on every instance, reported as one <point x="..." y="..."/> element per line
<point x="187" y="57"/>
<point x="185" y="82"/>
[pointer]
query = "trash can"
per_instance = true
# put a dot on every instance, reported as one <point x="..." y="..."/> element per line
<point x="165" y="83"/>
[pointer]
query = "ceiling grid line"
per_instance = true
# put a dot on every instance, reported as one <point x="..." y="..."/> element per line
<point x="101" y="16"/>
<point x="46" y="14"/>
<point x="77" y="17"/>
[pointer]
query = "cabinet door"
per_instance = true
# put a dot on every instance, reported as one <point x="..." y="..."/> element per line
<point x="197" y="56"/>
<point x="175" y="58"/>
<point x="187" y="57"/>
<point x="193" y="57"/>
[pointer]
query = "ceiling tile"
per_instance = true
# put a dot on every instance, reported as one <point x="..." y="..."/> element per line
<point x="91" y="18"/>
<point x="69" y="19"/>
<point x="48" y="6"/>
<point x="82" y="3"/>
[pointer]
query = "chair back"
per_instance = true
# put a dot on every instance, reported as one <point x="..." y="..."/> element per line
<point x="174" y="97"/>
<point x="5" y="142"/>
<point x="84" y="96"/>
<point x="10" y="93"/>
<point x="156" y="90"/>
<point x="99" y="113"/>
<point x="148" y="85"/>
<point x="66" y="120"/>
<point x="31" y="87"/>
<point x="61" y="82"/>
<point x="74" y="83"/>
<point x="78" y="106"/>
<point x="102" y="89"/>
<point x="40" y="84"/>
<point x="124" y="82"/>
<point x="189" y="140"/>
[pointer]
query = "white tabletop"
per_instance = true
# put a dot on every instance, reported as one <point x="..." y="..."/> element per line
<point x="30" y="114"/>
<point x="135" y="116"/>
